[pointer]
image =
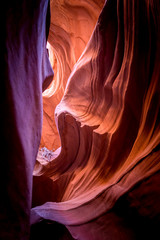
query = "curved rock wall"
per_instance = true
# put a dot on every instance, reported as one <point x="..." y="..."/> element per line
<point x="72" y="23"/>
<point x="108" y="120"/>
<point x="24" y="69"/>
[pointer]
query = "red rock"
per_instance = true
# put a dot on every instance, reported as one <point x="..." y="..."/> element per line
<point x="99" y="171"/>
<point x="108" y="121"/>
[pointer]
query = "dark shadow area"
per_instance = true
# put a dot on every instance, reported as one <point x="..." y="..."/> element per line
<point x="48" y="230"/>
<point x="140" y="209"/>
<point x="44" y="190"/>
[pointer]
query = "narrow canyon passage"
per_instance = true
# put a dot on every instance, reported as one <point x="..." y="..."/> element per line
<point x="81" y="132"/>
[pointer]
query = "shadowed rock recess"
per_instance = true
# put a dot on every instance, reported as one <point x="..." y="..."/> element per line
<point x="94" y="153"/>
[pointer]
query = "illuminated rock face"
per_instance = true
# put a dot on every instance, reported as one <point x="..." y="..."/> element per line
<point x="72" y="23"/>
<point x="107" y="168"/>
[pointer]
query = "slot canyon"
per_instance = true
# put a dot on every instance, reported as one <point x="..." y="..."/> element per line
<point x="80" y="120"/>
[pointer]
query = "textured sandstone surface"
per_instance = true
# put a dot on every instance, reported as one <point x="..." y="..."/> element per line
<point x="108" y="122"/>
<point x="24" y="68"/>
<point x="72" y="23"/>
<point x="97" y="172"/>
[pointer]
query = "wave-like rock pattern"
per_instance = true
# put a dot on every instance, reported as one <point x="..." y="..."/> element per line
<point x="72" y="23"/>
<point x="107" y="168"/>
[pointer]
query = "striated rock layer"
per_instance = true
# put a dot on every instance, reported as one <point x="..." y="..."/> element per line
<point x="106" y="171"/>
<point x="72" y="23"/>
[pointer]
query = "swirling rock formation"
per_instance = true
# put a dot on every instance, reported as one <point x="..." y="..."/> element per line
<point x="72" y="23"/>
<point x="102" y="180"/>
<point x="107" y="168"/>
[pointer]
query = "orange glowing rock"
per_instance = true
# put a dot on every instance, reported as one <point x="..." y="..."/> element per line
<point x="108" y="119"/>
